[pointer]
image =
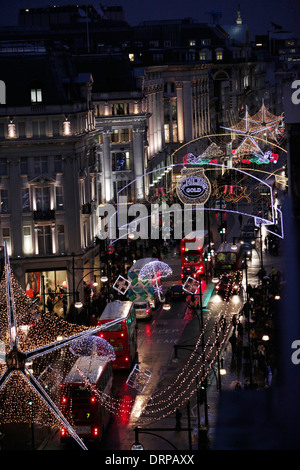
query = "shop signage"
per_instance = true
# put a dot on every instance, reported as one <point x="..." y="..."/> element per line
<point x="194" y="187"/>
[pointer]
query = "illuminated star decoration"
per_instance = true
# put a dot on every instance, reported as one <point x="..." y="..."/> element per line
<point x="265" y="118"/>
<point x="249" y="129"/>
<point x="19" y="346"/>
<point x="153" y="271"/>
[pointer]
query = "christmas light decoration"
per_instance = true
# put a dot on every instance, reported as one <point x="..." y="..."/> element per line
<point x="212" y="152"/>
<point x="164" y="403"/>
<point x="27" y="334"/>
<point x="154" y="271"/>
<point x="93" y="347"/>
<point x="121" y="285"/>
<point x="260" y="126"/>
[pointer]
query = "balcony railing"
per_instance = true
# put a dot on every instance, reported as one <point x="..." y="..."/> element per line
<point x="44" y="215"/>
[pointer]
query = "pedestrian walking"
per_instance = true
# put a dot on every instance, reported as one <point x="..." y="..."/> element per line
<point x="232" y="341"/>
<point x="240" y="329"/>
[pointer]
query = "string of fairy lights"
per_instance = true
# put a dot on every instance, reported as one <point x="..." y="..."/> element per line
<point x="198" y="366"/>
<point x="164" y="403"/>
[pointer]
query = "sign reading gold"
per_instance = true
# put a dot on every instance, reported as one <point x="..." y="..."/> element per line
<point x="194" y="187"/>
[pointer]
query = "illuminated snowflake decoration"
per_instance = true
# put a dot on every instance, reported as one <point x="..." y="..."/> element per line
<point x="138" y="378"/>
<point x="153" y="271"/>
<point x="21" y="344"/>
<point x="191" y="285"/>
<point x="121" y="285"/>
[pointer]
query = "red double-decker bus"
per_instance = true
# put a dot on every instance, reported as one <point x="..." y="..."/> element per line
<point x="229" y="257"/>
<point x="123" y="334"/>
<point x="192" y="250"/>
<point x="84" y="392"/>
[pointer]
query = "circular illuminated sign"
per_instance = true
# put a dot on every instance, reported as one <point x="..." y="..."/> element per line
<point x="194" y="189"/>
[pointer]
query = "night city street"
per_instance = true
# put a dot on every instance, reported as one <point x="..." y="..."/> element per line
<point x="149" y="229"/>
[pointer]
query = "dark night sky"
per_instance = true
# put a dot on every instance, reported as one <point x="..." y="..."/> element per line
<point x="258" y="14"/>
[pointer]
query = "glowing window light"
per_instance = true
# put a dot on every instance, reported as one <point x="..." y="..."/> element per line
<point x="67" y="127"/>
<point x="11" y="130"/>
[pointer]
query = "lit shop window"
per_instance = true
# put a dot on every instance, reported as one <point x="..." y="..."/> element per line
<point x="36" y="95"/>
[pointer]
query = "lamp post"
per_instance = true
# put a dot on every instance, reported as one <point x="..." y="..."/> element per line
<point x="220" y="365"/>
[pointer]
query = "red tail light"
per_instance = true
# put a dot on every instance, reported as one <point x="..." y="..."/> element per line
<point x="64" y="400"/>
<point x="95" y="432"/>
<point x="62" y="432"/>
<point x="93" y="400"/>
<point x="147" y="311"/>
<point x="126" y="358"/>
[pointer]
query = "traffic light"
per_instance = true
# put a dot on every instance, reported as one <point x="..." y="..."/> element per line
<point x="222" y="228"/>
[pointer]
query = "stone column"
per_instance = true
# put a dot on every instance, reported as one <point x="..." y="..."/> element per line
<point x="180" y="117"/>
<point x="139" y="161"/>
<point x="14" y="190"/>
<point x="107" y="190"/>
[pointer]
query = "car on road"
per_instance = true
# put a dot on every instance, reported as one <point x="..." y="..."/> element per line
<point x="247" y="249"/>
<point x="248" y="234"/>
<point x="142" y="309"/>
<point x="188" y="271"/>
<point x="176" y="292"/>
<point x="229" y="284"/>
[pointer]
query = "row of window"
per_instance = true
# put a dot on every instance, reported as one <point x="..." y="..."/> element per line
<point x="45" y="241"/>
<point x="18" y="130"/>
<point x="36" y="166"/>
<point x="168" y="43"/>
<point x="41" y="199"/>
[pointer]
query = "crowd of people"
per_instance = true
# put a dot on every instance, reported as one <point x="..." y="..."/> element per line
<point x="252" y="337"/>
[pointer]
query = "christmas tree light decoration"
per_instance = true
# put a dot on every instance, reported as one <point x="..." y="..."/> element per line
<point x="17" y="363"/>
<point x="154" y="271"/>
<point x="121" y="285"/>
